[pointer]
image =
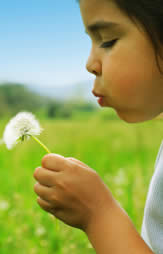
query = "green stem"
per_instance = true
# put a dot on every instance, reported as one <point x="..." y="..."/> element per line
<point x="47" y="150"/>
<point x="38" y="141"/>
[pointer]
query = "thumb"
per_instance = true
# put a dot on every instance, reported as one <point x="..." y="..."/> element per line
<point x="53" y="161"/>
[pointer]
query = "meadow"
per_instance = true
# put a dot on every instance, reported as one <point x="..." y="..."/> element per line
<point x="122" y="154"/>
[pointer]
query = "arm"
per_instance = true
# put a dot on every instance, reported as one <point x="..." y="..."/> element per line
<point x="112" y="232"/>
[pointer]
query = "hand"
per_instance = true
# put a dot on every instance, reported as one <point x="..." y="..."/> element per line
<point x="70" y="190"/>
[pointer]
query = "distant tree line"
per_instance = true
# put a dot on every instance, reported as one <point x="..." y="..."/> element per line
<point x="17" y="97"/>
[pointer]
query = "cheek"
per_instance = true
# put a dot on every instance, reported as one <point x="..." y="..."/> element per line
<point x="124" y="77"/>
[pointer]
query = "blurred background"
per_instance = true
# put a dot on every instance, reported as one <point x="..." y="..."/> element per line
<point x="42" y="70"/>
<point x="44" y="49"/>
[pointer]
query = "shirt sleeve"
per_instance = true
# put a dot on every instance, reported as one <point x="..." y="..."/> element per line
<point x="152" y="227"/>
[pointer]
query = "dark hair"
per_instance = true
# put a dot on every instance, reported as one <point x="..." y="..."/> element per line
<point x="149" y="13"/>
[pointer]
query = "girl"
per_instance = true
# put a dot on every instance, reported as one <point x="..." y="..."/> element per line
<point x="126" y="59"/>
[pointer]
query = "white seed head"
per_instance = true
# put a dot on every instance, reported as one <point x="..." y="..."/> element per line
<point x="21" y="127"/>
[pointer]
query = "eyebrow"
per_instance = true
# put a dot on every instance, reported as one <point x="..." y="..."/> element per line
<point x="101" y="25"/>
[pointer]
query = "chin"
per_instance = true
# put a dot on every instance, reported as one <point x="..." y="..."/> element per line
<point x="133" y="118"/>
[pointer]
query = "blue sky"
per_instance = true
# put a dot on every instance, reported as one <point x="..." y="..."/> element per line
<point x="43" y="42"/>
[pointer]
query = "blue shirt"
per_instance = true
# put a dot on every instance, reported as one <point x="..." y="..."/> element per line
<point x="152" y="227"/>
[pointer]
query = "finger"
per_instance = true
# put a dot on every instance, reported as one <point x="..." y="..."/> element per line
<point x="55" y="211"/>
<point x="77" y="161"/>
<point x="44" y="204"/>
<point x="45" y="177"/>
<point x="54" y="162"/>
<point x="44" y="192"/>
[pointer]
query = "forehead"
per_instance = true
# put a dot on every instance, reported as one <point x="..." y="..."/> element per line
<point x="93" y="11"/>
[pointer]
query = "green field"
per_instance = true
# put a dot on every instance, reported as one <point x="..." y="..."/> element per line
<point x="123" y="155"/>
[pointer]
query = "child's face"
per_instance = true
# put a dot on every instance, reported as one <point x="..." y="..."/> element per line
<point x="126" y="73"/>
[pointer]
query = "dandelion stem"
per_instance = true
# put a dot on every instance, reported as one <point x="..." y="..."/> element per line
<point x="38" y="141"/>
<point x="47" y="150"/>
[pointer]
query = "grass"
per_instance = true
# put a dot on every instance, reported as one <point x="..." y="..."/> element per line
<point x="123" y="155"/>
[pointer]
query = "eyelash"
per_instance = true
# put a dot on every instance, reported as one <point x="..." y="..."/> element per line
<point x="108" y="44"/>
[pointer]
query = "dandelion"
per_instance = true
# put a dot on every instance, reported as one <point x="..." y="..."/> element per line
<point x="20" y="128"/>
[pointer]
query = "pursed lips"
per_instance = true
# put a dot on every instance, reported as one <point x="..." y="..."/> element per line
<point x="97" y="94"/>
<point x="100" y="98"/>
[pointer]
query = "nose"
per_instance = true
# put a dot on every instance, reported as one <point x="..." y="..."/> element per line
<point x="93" y="64"/>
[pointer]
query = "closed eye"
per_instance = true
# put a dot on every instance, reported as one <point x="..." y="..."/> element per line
<point x="108" y="44"/>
